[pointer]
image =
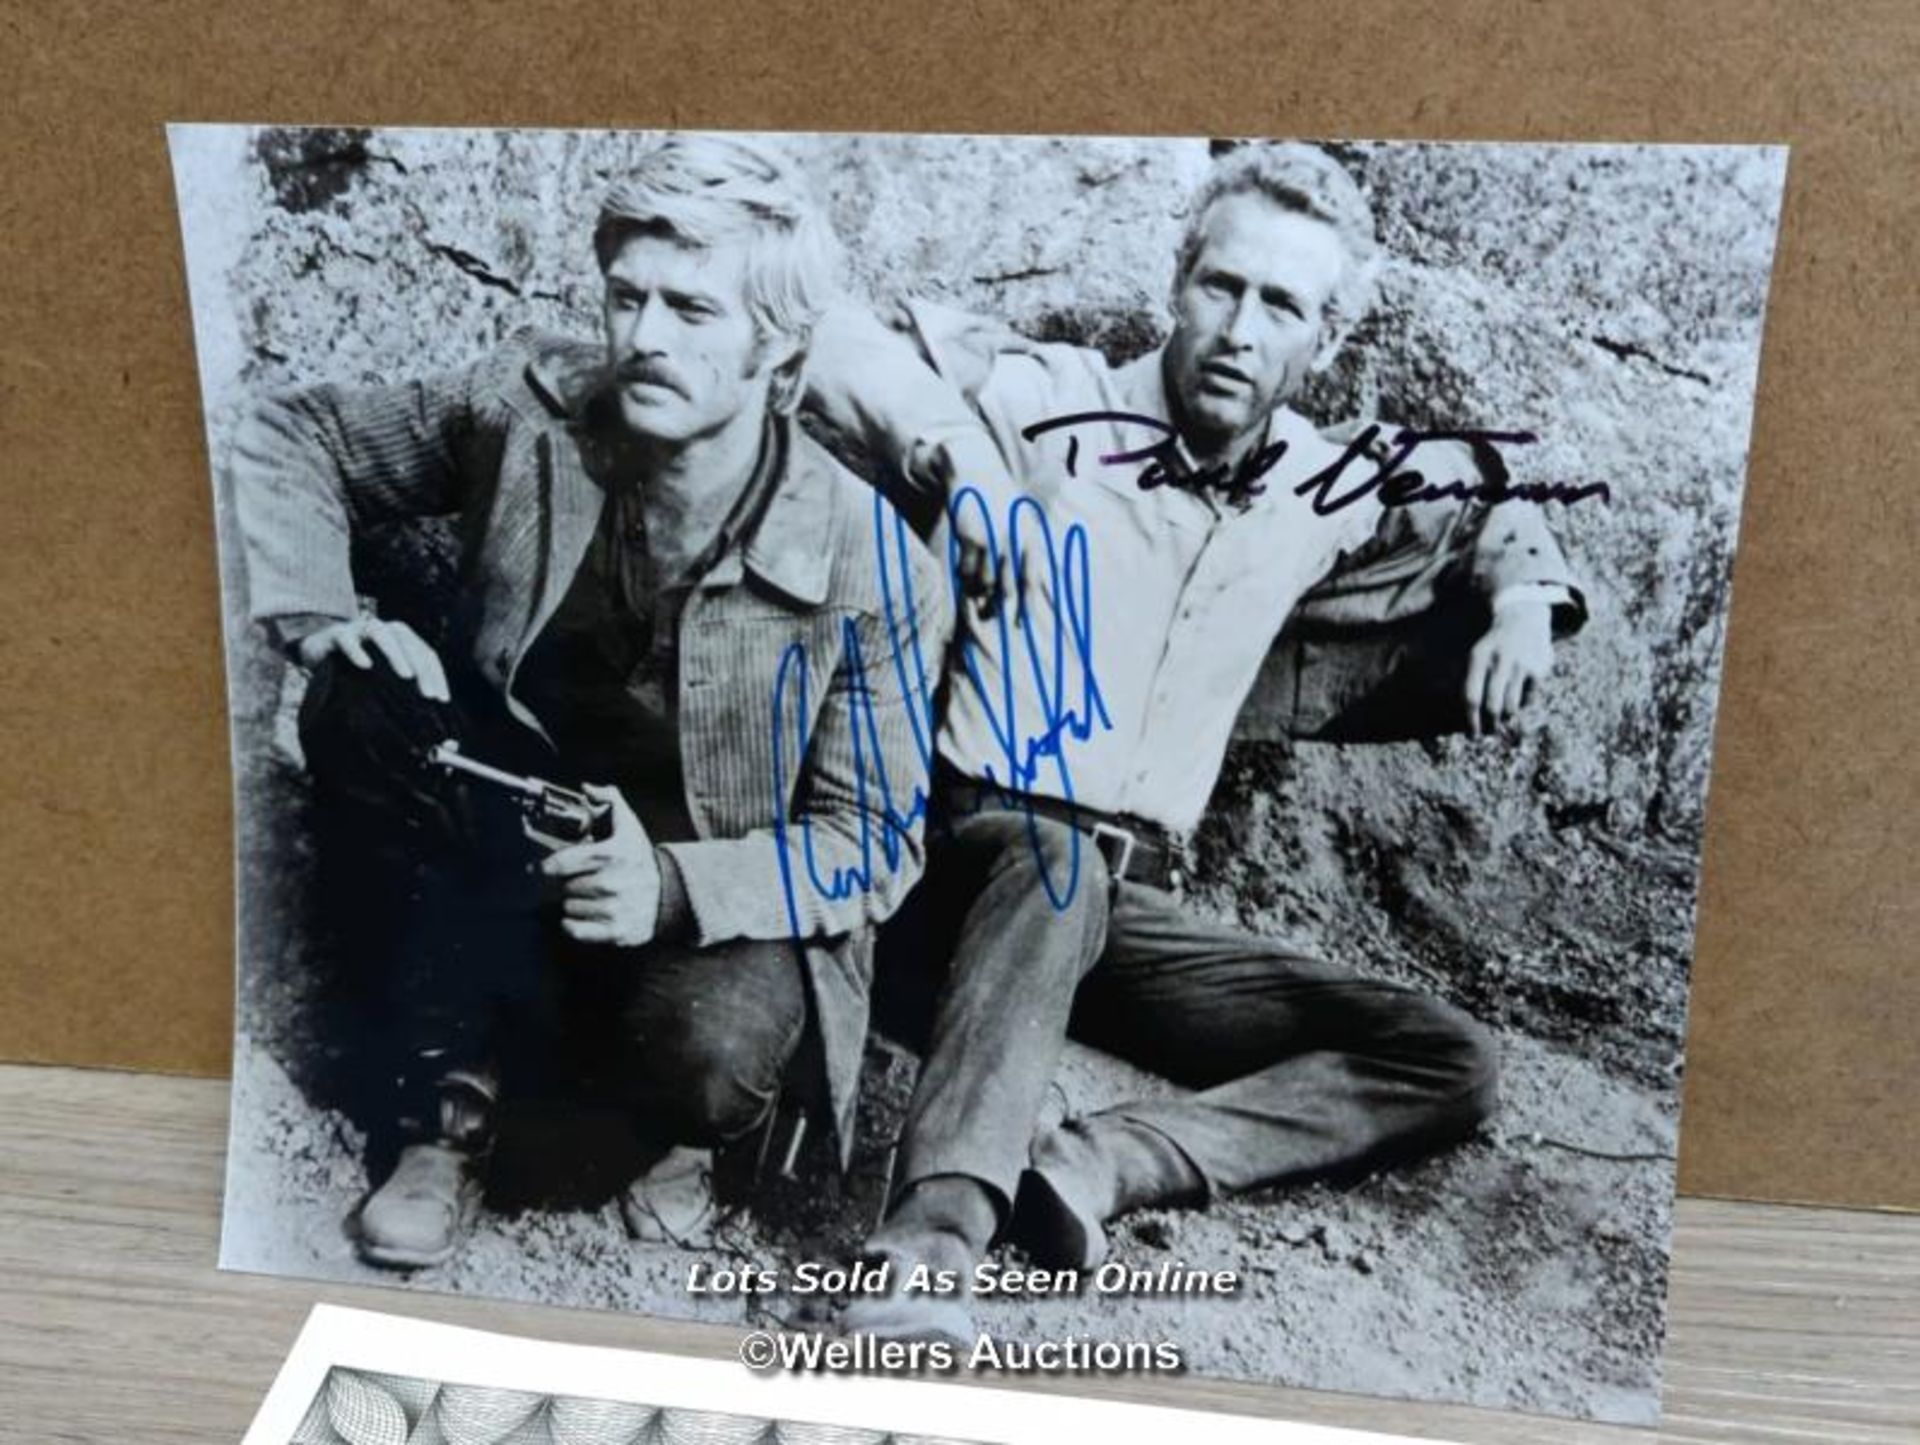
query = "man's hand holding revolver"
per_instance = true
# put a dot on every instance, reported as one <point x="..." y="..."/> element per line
<point x="610" y="887"/>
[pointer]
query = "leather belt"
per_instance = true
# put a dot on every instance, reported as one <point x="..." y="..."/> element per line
<point x="1135" y="851"/>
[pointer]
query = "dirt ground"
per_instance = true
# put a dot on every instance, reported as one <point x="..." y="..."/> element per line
<point x="1525" y="1269"/>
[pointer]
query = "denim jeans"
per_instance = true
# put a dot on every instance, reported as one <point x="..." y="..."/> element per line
<point x="456" y="956"/>
<point x="1298" y="1068"/>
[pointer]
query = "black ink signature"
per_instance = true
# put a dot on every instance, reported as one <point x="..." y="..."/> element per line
<point x="1396" y="483"/>
<point x="1165" y="465"/>
<point x="1401" y="486"/>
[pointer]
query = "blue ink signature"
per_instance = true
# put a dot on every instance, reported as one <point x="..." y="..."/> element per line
<point x="886" y="818"/>
<point x="1067" y="578"/>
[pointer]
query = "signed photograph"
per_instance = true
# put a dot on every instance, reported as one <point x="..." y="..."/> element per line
<point x="1048" y="754"/>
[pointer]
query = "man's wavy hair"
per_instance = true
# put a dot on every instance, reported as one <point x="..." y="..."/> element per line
<point x="1306" y="180"/>
<point x="711" y="190"/>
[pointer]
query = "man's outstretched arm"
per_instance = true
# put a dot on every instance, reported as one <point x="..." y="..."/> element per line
<point x="1504" y="558"/>
<point x="311" y="466"/>
<point x="919" y="434"/>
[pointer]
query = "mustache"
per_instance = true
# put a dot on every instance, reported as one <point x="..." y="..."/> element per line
<point x="645" y="369"/>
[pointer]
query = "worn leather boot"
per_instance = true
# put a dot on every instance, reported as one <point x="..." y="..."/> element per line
<point x="944" y="1224"/>
<point x="672" y="1201"/>
<point x="1085" y="1172"/>
<point x="419" y="1216"/>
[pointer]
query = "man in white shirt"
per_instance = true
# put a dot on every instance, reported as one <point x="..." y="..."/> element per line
<point x="1167" y="517"/>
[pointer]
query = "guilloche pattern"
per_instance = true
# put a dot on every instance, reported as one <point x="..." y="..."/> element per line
<point x="357" y="1407"/>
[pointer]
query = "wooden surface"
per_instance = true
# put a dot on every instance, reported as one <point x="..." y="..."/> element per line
<point x="1788" y="1324"/>
<point x="114" y="788"/>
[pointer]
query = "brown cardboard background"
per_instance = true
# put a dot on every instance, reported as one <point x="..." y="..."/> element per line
<point x="116" y="852"/>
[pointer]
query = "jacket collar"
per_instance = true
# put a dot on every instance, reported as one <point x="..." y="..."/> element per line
<point x="788" y="545"/>
<point x="565" y="374"/>
<point x="786" y="541"/>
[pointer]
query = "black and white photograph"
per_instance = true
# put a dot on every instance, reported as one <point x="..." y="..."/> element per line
<point x="1093" y="748"/>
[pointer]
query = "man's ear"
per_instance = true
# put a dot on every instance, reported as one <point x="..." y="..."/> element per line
<point x="787" y="384"/>
<point x="1345" y="309"/>
<point x="1333" y="336"/>
<point x="1174" y="288"/>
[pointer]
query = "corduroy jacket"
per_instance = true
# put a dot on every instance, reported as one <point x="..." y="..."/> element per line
<point x="805" y="726"/>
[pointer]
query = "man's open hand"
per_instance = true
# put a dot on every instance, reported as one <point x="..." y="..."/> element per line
<point x="1508" y="665"/>
<point x="609" y="887"/>
<point x="361" y="639"/>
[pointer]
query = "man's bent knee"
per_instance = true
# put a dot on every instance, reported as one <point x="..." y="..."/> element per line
<point x="704" y="1073"/>
<point x="699" y="1086"/>
<point x="1451" y="1058"/>
<point x="354" y="720"/>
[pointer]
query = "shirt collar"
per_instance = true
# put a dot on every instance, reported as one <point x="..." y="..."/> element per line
<point x="1142" y="385"/>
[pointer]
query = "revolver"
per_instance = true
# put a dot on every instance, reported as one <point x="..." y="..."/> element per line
<point x="555" y="816"/>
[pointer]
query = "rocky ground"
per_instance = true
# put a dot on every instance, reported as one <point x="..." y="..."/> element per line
<point x="1525" y="1269"/>
<point x="1546" y="882"/>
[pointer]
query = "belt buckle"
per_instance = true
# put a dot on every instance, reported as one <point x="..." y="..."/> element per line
<point x="1104" y="831"/>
